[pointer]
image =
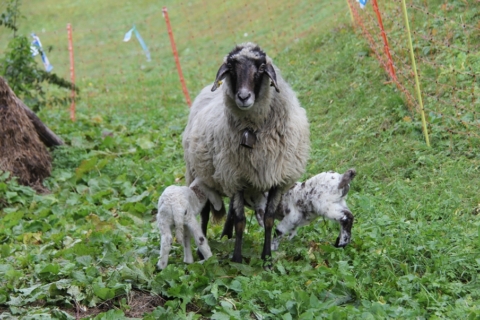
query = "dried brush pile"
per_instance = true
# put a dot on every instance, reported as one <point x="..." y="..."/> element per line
<point x="21" y="150"/>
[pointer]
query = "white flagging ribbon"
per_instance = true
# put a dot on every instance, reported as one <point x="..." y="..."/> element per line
<point x="128" y="36"/>
<point x="36" y="48"/>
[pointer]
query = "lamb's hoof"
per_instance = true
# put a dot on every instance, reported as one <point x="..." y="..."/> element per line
<point x="338" y="245"/>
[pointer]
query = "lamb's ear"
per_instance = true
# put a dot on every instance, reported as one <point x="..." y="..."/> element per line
<point x="221" y="74"/>
<point x="273" y="76"/>
<point x="347" y="177"/>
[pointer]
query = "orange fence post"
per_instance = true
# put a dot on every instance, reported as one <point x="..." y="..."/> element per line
<point x="175" y="54"/>
<point x="385" y="41"/>
<point x="72" y="71"/>
<point x="385" y="65"/>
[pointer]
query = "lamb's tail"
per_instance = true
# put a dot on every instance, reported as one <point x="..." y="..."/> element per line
<point x="344" y="185"/>
<point x="178" y="219"/>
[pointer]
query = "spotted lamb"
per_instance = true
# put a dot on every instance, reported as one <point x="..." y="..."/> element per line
<point x="323" y="195"/>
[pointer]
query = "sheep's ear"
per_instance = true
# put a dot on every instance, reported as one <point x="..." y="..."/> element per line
<point x="273" y="76"/>
<point x="221" y="74"/>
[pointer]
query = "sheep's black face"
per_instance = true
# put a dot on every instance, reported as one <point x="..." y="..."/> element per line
<point x="245" y="66"/>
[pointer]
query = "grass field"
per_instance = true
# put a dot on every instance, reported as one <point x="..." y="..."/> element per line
<point x="89" y="248"/>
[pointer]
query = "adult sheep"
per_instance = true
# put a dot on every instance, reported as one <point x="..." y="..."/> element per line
<point x="250" y="136"/>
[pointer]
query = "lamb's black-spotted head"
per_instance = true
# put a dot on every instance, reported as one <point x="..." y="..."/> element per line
<point x="246" y="66"/>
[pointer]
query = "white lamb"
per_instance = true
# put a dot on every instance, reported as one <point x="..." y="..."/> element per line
<point x="179" y="205"/>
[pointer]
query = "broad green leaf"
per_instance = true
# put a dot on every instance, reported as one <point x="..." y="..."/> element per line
<point x="5" y="250"/>
<point x="103" y="293"/>
<point x="50" y="268"/>
<point x="84" y="260"/>
<point x="76" y="293"/>
<point x="145" y="143"/>
<point x="28" y="291"/>
<point x="86" y="166"/>
<point x="137" y="198"/>
<point x="235" y="285"/>
<point x="111" y="315"/>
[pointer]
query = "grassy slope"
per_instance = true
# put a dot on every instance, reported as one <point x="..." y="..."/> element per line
<point x="416" y="235"/>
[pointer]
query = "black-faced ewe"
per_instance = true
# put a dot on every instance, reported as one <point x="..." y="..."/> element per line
<point x="178" y="206"/>
<point x="323" y="195"/>
<point x="247" y="134"/>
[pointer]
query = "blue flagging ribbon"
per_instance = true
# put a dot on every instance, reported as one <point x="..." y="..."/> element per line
<point x="128" y="36"/>
<point x="363" y="3"/>
<point x="37" y="48"/>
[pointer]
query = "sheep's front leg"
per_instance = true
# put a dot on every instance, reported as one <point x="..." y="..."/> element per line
<point x="346" y="223"/>
<point x="165" y="245"/>
<point x="274" y="197"/>
<point x="239" y="210"/>
<point x="205" y="216"/>
<point x="229" y="222"/>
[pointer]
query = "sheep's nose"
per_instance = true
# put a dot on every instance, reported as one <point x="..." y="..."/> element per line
<point x="244" y="95"/>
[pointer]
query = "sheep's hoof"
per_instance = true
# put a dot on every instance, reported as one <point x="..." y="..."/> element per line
<point x="268" y="263"/>
<point x="237" y="258"/>
<point x="228" y="234"/>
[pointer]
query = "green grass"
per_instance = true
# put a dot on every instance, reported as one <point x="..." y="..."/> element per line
<point x="92" y="242"/>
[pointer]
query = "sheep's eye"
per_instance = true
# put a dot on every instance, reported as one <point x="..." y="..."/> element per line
<point x="229" y="66"/>
<point x="261" y="68"/>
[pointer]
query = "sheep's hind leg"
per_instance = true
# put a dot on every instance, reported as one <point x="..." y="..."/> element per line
<point x="205" y="216"/>
<point x="229" y="222"/>
<point x="239" y="217"/>
<point x="273" y="200"/>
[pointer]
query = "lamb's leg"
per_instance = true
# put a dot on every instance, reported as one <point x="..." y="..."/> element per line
<point x="274" y="197"/>
<point x="187" y="246"/>
<point x="277" y="236"/>
<point x="239" y="215"/>
<point x="229" y="222"/>
<point x="165" y="246"/>
<point x="346" y="223"/>
<point x="200" y="239"/>
<point x="205" y="216"/>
